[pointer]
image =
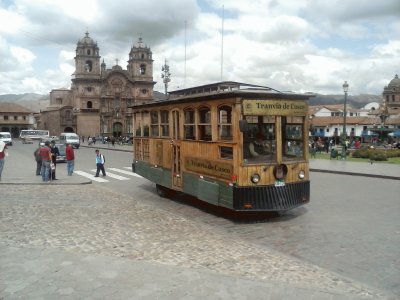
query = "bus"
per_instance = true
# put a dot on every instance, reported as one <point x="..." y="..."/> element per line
<point x="235" y="146"/>
<point x="33" y="134"/>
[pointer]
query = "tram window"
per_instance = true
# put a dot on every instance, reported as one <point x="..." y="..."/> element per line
<point x="164" y="116"/>
<point x="154" y="123"/>
<point x="259" y="142"/>
<point x="146" y="123"/>
<point x="226" y="152"/>
<point x="189" y="126"/>
<point x="225" y="123"/>
<point x="138" y="127"/>
<point x="204" y="126"/>
<point x="292" y="130"/>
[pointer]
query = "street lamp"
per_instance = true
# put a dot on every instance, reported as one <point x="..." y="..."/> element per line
<point x="344" y="133"/>
<point x="166" y="76"/>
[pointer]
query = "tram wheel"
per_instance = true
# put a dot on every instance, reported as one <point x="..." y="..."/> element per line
<point x="164" y="192"/>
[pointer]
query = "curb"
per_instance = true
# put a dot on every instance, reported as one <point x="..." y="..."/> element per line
<point x="45" y="184"/>
<point x="106" y="148"/>
<point x="355" y="174"/>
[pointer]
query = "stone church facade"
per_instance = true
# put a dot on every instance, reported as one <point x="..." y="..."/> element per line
<point x="99" y="100"/>
<point x="391" y="93"/>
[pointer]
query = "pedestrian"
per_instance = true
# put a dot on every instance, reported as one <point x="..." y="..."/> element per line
<point x="100" y="163"/>
<point x="94" y="140"/>
<point x="357" y="144"/>
<point x="83" y="138"/>
<point x="326" y="145"/>
<point x="3" y="148"/>
<point x="313" y="150"/>
<point x="113" y="141"/>
<point x="45" y="154"/>
<point x="54" y="153"/>
<point x="38" y="159"/>
<point x="346" y="144"/>
<point x="70" y="157"/>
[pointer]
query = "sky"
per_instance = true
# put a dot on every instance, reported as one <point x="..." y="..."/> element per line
<point x="288" y="45"/>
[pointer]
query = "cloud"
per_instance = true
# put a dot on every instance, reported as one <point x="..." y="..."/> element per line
<point x="304" y="45"/>
<point x="21" y="56"/>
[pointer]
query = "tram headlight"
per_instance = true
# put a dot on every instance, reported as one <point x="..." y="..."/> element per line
<point x="302" y="174"/>
<point x="255" y="178"/>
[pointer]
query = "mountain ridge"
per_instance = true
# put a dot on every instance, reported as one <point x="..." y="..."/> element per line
<point x="36" y="102"/>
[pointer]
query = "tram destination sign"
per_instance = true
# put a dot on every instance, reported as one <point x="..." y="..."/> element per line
<point x="274" y="107"/>
<point x="209" y="167"/>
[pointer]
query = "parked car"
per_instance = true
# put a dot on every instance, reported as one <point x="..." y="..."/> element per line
<point x="70" y="138"/>
<point x="27" y="141"/>
<point x="44" y="140"/>
<point x="61" y="150"/>
<point x="6" y="138"/>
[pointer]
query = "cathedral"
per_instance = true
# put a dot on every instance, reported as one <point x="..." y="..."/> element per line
<point x="99" y="100"/>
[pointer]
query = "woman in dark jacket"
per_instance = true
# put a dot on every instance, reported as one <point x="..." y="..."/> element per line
<point x="38" y="159"/>
<point x="54" y="153"/>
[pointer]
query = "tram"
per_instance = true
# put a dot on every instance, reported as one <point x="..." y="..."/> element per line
<point x="232" y="145"/>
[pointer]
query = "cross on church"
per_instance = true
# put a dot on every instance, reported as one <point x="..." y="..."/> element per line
<point x="117" y="60"/>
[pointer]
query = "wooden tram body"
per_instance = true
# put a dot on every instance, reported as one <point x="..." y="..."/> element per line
<point x="203" y="141"/>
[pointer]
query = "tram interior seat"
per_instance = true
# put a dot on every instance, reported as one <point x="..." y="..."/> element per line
<point x="252" y="150"/>
<point x="258" y="153"/>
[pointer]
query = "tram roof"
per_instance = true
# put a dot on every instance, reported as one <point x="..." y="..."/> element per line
<point x="220" y="90"/>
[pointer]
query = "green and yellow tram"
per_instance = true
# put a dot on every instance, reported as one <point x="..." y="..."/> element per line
<point x="236" y="146"/>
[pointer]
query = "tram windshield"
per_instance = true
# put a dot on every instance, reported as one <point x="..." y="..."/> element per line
<point x="259" y="139"/>
<point x="292" y="131"/>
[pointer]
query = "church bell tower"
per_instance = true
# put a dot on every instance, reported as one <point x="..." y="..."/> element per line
<point x="87" y="59"/>
<point x="140" y="63"/>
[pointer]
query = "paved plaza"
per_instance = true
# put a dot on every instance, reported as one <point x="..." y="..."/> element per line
<point x="83" y="241"/>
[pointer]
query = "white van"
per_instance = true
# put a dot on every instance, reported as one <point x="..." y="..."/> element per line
<point x="6" y="138"/>
<point x="70" y="138"/>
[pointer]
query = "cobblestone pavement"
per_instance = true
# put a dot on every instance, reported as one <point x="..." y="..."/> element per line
<point x="92" y="221"/>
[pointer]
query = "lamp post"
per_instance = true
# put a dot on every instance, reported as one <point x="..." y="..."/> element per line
<point x="344" y="133"/>
<point x="166" y="76"/>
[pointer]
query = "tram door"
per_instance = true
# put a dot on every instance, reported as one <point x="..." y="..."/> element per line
<point x="176" y="151"/>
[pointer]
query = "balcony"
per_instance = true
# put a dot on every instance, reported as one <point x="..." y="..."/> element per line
<point x="67" y="121"/>
<point x="89" y="110"/>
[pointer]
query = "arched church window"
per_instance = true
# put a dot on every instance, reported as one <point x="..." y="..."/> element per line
<point x="142" y="69"/>
<point x="88" y="52"/>
<point x="142" y="56"/>
<point x="88" y="66"/>
<point x="117" y="101"/>
<point x="89" y="104"/>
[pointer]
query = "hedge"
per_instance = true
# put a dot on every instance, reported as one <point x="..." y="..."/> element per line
<point x="376" y="154"/>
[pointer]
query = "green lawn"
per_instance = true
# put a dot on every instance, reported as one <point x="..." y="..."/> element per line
<point x="324" y="155"/>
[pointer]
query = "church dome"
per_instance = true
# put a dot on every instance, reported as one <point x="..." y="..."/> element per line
<point x="117" y="67"/>
<point x="86" y="39"/>
<point x="395" y="82"/>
